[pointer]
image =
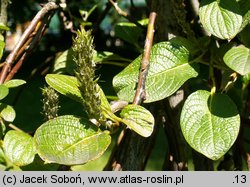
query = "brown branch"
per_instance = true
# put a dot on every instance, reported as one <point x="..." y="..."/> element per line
<point x="17" y="51"/>
<point x="132" y="151"/>
<point x="118" y="9"/>
<point x="140" y="94"/>
<point x="123" y="13"/>
<point x="30" y="45"/>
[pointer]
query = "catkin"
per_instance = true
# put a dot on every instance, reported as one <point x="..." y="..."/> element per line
<point x="85" y="73"/>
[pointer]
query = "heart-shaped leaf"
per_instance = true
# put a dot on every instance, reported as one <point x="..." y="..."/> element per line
<point x="19" y="147"/>
<point x="169" y="70"/>
<point x="7" y="112"/>
<point x="221" y="18"/>
<point x="210" y="123"/>
<point x="238" y="59"/>
<point x="138" y="119"/>
<point x="4" y="91"/>
<point x="14" y="83"/>
<point x="69" y="140"/>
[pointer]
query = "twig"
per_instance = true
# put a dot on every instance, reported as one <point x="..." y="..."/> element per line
<point x="118" y="9"/>
<point x="31" y="45"/>
<point x="140" y="94"/>
<point x="51" y="6"/>
<point x="129" y="143"/>
<point x="124" y="14"/>
<point x="15" y="127"/>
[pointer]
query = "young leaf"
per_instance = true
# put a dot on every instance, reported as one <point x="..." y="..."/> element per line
<point x="69" y="140"/>
<point x="19" y="147"/>
<point x="7" y="112"/>
<point x="238" y="59"/>
<point x="14" y="83"/>
<point x="4" y="91"/>
<point x="138" y="119"/>
<point x="4" y="27"/>
<point x="106" y="57"/>
<point x="64" y="62"/>
<point x="221" y="18"/>
<point x="210" y="123"/>
<point x="68" y="86"/>
<point x="169" y="70"/>
<point x="2" y="45"/>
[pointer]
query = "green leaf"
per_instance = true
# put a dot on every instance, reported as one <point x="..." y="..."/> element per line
<point x="144" y="22"/>
<point x="2" y="129"/>
<point x="244" y="6"/>
<point x="2" y="160"/>
<point x="210" y="123"/>
<point x="68" y="86"/>
<point x="245" y="10"/>
<point x="221" y="18"/>
<point x="39" y="165"/>
<point x="7" y="112"/>
<point x="106" y="57"/>
<point x="238" y="59"/>
<point x="138" y="119"/>
<point x="4" y="91"/>
<point x="69" y="140"/>
<point x="19" y="147"/>
<point x="1" y="38"/>
<point x="4" y="27"/>
<point x="188" y="44"/>
<point x="2" y="45"/>
<point x="64" y="62"/>
<point x="169" y="70"/>
<point x="246" y="78"/>
<point x="14" y="83"/>
<point x="129" y="32"/>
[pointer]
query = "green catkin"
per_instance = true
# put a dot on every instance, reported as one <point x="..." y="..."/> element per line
<point x="50" y="103"/>
<point x="85" y="73"/>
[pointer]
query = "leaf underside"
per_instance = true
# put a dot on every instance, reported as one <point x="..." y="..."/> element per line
<point x="138" y="119"/>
